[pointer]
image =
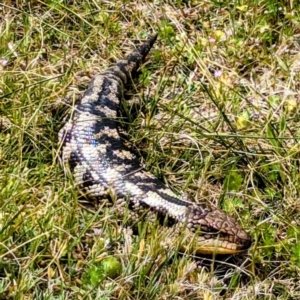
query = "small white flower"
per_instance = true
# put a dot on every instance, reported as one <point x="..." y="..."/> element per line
<point x="218" y="73"/>
<point x="97" y="231"/>
<point x="3" y="62"/>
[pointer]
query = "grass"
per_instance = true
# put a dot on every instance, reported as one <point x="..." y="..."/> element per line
<point x="217" y="120"/>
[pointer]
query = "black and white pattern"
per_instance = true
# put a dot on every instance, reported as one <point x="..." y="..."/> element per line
<point x="103" y="166"/>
